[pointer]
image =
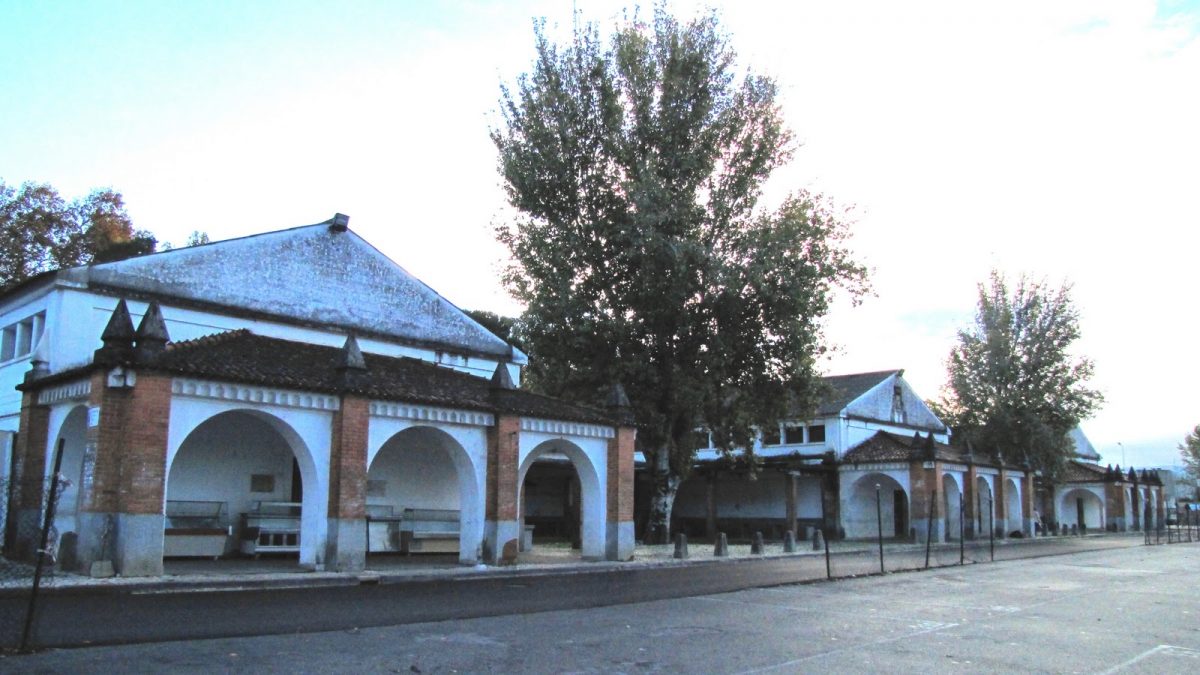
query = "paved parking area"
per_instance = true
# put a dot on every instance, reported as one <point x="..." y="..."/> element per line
<point x="1133" y="610"/>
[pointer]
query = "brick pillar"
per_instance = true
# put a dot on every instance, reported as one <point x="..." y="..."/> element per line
<point x="1114" y="503"/>
<point x="922" y="486"/>
<point x="501" y="530"/>
<point x="1027" y="503"/>
<point x="125" y="474"/>
<point x="968" y="501"/>
<point x="1001" y="497"/>
<point x="25" y="508"/>
<point x="346" y="538"/>
<point x="619" y="501"/>
<point x="1161" y="500"/>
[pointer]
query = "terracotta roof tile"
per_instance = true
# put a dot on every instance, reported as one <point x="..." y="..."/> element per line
<point x="242" y="356"/>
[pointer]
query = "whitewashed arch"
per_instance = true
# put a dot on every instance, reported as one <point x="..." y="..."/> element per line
<point x="70" y="424"/>
<point x="1012" y="506"/>
<point x="860" y="516"/>
<point x="952" y="506"/>
<point x="307" y="434"/>
<point x="1093" y="508"/>
<point x="468" y="474"/>
<point x="591" y="488"/>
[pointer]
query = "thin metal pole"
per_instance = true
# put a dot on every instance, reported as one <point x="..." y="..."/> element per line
<point x="962" y="535"/>
<point x="879" y="523"/>
<point x="828" y="569"/>
<point x="992" y="526"/>
<point x="41" y="553"/>
<point x="929" y="528"/>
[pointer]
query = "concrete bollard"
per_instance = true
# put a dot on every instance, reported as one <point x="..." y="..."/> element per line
<point x="818" y="540"/>
<point x="756" y="544"/>
<point x="789" y="542"/>
<point x="1074" y="529"/>
<point x="721" y="550"/>
<point x="681" y="549"/>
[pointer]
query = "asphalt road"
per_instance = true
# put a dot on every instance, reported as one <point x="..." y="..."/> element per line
<point x="1132" y="610"/>
<point x="75" y="617"/>
<point x="93" y="617"/>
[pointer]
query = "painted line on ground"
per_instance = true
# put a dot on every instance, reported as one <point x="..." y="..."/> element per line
<point x="1167" y="650"/>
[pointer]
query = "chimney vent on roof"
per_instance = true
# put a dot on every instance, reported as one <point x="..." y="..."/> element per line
<point x="339" y="223"/>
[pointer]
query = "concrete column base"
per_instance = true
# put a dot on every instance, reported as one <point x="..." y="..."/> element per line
<point x="502" y="540"/>
<point x="139" y="545"/>
<point x="619" y="541"/>
<point x="346" y="545"/>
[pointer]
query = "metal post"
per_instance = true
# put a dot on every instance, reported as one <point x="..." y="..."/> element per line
<point x="992" y="526"/>
<point x="962" y="533"/>
<point x="879" y="523"/>
<point x="929" y="529"/>
<point x="828" y="569"/>
<point x="41" y="552"/>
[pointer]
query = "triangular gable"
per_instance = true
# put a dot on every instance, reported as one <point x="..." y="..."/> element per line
<point x="878" y="404"/>
<point x="314" y="274"/>
<point x="1083" y="447"/>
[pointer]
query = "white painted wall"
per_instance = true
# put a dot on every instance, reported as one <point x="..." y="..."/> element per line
<point x="740" y="497"/>
<point x="416" y="472"/>
<point x="217" y="459"/>
<point x="306" y="432"/>
<point x="858" y="501"/>
<point x="1093" y="507"/>
<point x="463" y="446"/>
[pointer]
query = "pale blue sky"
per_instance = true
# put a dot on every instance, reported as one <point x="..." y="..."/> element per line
<point x="1053" y="138"/>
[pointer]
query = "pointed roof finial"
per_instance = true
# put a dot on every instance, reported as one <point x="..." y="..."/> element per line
<point x="501" y="378"/>
<point x="617" y="397"/>
<point x="119" y="330"/>
<point x="39" y="363"/>
<point x="351" y="357"/>
<point x="117" y="338"/>
<point x="152" y="336"/>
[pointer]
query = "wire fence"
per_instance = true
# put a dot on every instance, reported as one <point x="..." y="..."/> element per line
<point x="27" y="571"/>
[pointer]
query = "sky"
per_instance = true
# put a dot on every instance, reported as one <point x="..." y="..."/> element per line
<point x="1056" y="140"/>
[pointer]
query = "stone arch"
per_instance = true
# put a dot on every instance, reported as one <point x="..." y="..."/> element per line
<point x="425" y="468"/>
<point x="220" y="456"/>
<point x="592" y="502"/>
<point x="863" y="520"/>
<point x="1012" y="507"/>
<point x="1078" y="503"/>
<point x="952" y="507"/>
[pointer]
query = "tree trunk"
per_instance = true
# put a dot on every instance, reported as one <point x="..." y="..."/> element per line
<point x="664" y="485"/>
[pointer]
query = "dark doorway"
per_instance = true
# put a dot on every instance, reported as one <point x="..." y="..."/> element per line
<point x="1079" y="513"/>
<point x="297" y="484"/>
<point x="901" y="513"/>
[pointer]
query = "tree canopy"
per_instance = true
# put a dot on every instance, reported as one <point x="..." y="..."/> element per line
<point x="1014" y="387"/>
<point x="1189" y="452"/>
<point x="40" y="231"/>
<point x="639" y="248"/>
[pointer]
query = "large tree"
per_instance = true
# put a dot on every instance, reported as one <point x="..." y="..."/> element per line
<point x="1015" y="388"/>
<point x="1189" y="452"/>
<point x="640" y="251"/>
<point x="40" y="231"/>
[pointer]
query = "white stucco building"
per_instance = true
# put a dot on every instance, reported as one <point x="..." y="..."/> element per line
<point x="872" y="437"/>
<point x="294" y="391"/>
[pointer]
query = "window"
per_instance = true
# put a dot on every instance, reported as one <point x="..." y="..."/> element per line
<point x="770" y="436"/>
<point x="793" y="433"/>
<point x="816" y="433"/>
<point x="898" y="414"/>
<point x="262" y="482"/>
<point x="20" y="338"/>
